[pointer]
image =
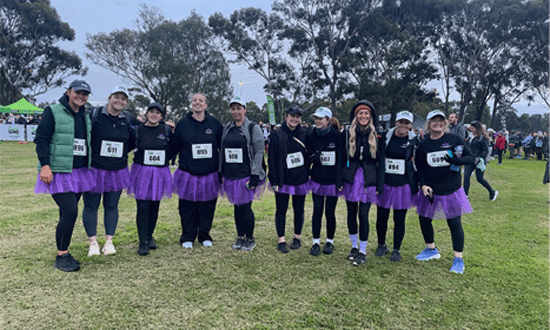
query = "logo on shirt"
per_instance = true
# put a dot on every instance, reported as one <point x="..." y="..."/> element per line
<point x="208" y="131"/>
<point x="404" y="145"/>
<point x="445" y="145"/>
<point x="161" y="136"/>
<point x="332" y="145"/>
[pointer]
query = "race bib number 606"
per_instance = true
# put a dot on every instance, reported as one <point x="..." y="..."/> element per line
<point x="295" y="159"/>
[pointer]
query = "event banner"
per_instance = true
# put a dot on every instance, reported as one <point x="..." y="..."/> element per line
<point x="9" y="132"/>
<point x="31" y="132"/>
<point x="271" y="110"/>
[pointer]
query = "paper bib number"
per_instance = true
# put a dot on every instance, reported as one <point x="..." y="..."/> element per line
<point x="437" y="159"/>
<point x="202" y="151"/>
<point x="395" y="166"/>
<point x="328" y="158"/>
<point x="234" y="156"/>
<point x="111" y="149"/>
<point x="154" y="157"/>
<point x="79" y="147"/>
<point x="295" y="159"/>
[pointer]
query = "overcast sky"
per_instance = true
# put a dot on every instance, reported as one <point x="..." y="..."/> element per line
<point x="94" y="16"/>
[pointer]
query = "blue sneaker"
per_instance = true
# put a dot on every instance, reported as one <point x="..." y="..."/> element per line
<point x="428" y="254"/>
<point x="458" y="266"/>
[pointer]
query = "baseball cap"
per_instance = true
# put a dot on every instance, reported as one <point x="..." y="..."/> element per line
<point x="119" y="89"/>
<point x="322" y="112"/>
<point x="435" y="113"/>
<point x="405" y="115"/>
<point x="238" y="100"/>
<point x="80" y="85"/>
<point x="294" y="109"/>
<point x="157" y="106"/>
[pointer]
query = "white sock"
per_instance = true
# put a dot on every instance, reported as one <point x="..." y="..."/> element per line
<point x="316" y="241"/>
<point x="331" y="241"/>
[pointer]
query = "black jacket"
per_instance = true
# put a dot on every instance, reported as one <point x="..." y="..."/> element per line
<point x="282" y="142"/>
<point x="329" y="143"/>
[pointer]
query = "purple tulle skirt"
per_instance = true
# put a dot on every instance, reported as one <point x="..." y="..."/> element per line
<point x="150" y="183"/>
<point x="325" y="189"/>
<point x="78" y="181"/>
<point x="107" y="180"/>
<point x="356" y="192"/>
<point x="196" y="188"/>
<point x="301" y="189"/>
<point x="443" y="207"/>
<point x="396" y="198"/>
<point x="237" y="193"/>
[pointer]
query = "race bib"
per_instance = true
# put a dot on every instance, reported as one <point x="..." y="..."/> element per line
<point x="395" y="166"/>
<point x="154" y="157"/>
<point x="111" y="149"/>
<point x="79" y="147"/>
<point x="234" y="156"/>
<point x="202" y="151"/>
<point x="437" y="159"/>
<point x="328" y="158"/>
<point x="295" y="159"/>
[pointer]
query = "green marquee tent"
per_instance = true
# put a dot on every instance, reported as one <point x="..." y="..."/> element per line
<point x="22" y="106"/>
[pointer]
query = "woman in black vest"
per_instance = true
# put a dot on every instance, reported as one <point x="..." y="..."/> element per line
<point x="288" y="174"/>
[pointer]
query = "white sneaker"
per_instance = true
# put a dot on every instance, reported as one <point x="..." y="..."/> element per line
<point x="187" y="245"/>
<point x="207" y="243"/>
<point x="93" y="250"/>
<point x="108" y="248"/>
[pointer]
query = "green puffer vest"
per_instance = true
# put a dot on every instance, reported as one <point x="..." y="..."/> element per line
<point x="62" y="144"/>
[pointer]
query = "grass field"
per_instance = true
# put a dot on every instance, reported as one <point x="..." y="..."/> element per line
<point x="505" y="285"/>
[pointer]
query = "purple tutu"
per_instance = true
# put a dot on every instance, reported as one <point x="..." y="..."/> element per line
<point x="443" y="207"/>
<point x="396" y="198"/>
<point x="301" y="189"/>
<point x="325" y="189"/>
<point x="108" y="180"/>
<point x="237" y="193"/>
<point x="196" y="188"/>
<point x="150" y="183"/>
<point x="356" y="192"/>
<point x="78" y="181"/>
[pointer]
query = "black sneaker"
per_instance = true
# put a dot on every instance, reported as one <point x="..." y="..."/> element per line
<point x="353" y="253"/>
<point x="249" y="244"/>
<point x="282" y="247"/>
<point x="395" y="255"/>
<point x="143" y="249"/>
<point x="152" y="244"/>
<point x="381" y="250"/>
<point x="359" y="259"/>
<point x="238" y="244"/>
<point x="295" y="244"/>
<point x="328" y="248"/>
<point x="315" y="249"/>
<point x="66" y="263"/>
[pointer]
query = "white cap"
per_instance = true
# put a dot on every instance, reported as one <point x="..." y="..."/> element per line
<point x="238" y="100"/>
<point x="435" y="113"/>
<point x="322" y="112"/>
<point x="405" y="115"/>
<point x="120" y="89"/>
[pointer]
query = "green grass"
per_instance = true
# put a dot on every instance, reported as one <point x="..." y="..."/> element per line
<point x="505" y="285"/>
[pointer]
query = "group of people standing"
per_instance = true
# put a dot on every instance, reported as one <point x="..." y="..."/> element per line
<point x="86" y="154"/>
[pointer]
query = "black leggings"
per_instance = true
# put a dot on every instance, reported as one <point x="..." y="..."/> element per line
<point x="146" y="218"/>
<point x="382" y="216"/>
<point x="468" y="169"/>
<point x="455" y="225"/>
<point x="281" y="203"/>
<point x="330" y="209"/>
<point x="196" y="219"/>
<point x="244" y="220"/>
<point x="68" y="211"/>
<point x="363" y="208"/>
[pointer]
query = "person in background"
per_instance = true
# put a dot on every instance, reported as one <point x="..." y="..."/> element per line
<point x="500" y="146"/>
<point x="438" y="159"/>
<point x="241" y="159"/>
<point x="112" y="139"/>
<point x="455" y="127"/>
<point x="541" y="142"/>
<point x="63" y="149"/>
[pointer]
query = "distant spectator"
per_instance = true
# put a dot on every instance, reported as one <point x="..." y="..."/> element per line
<point x="500" y="146"/>
<point x="455" y="127"/>
<point x="541" y="142"/>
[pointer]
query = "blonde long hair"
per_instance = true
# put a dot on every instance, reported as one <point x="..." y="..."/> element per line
<point x="373" y="143"/>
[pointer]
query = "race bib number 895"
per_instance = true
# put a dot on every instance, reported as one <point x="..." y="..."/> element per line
<point x="202" y="151"/>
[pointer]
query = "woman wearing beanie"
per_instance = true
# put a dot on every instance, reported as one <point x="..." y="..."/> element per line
<point x="326" y="177"/>
<point x="241" y="159"/>
<point x="438" y="159"/>
<point x="112" y="140"/>
<point x="150" y="176"/>
<point x="363" y="175"/>
<point x="288" y="174"/>
<point x="63" y="149"/>
<point x="400" y="183"/>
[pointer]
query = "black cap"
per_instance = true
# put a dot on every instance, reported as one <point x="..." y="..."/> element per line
<point x="80" y="85"/>
<point x="294" y="109"/>
<point x="156" y="105"/>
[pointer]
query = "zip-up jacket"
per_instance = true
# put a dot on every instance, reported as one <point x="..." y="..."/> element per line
<point x="325" y="157"/>
<point x="284" y="156"/>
